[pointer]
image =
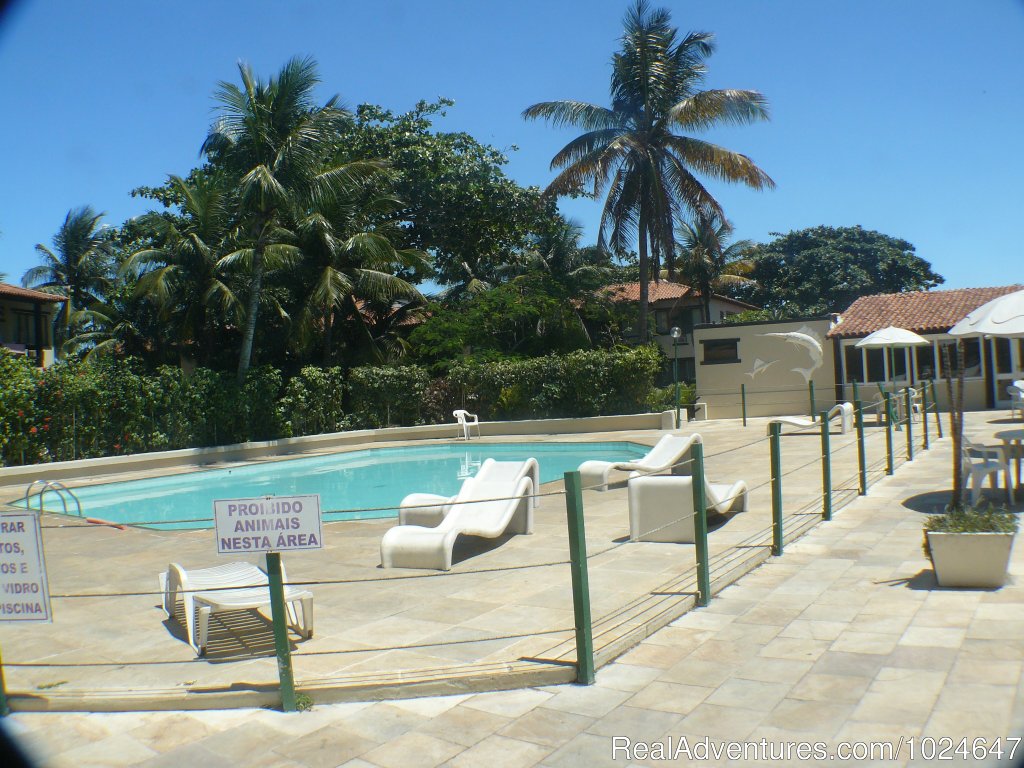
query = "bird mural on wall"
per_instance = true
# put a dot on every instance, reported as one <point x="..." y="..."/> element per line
<point x="812" y="345"/>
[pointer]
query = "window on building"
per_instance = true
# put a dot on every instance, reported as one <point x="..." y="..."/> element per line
<point x="876" y="364"/>
<point x="687" y="369"/>
<point x="718" y="351"/>
<point x="854" y="359"/>
<point x="925" y="361"/>
<point x="661" y="323"/>
<point x="972" y="358"/>
<point x="1002" y="357"/>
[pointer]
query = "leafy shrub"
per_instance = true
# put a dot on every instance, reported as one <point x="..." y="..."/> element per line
<point x="384" y="396"/>
<point x="664" y="398"/>
<point x="313" y="402"/>
<point x="583" y="383"/>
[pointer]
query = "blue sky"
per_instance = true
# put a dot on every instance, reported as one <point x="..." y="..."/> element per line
<point x="904" y="117"/>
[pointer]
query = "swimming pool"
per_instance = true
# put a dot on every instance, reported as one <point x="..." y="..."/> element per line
<point x="365" y="481"/>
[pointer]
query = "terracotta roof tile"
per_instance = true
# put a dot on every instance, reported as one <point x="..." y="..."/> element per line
<point x="13" y="291"/>
<point x="661" y="291"/>
<point x="918" y="311"/>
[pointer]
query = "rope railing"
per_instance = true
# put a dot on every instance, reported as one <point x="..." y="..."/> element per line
<point x="841" y="494"/>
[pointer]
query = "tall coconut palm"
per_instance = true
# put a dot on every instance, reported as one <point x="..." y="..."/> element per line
<point x="181" y="273"/>
<point x="79" y="267"/>
<point x="707" y="259"/>
<point x="277" y="141"/>
<point x="635" y="148"/>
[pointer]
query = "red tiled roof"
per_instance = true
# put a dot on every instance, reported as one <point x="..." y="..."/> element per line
<point x="919" y="311"/>
<point x="28" y="294"/>
<point x="661" y="291"/>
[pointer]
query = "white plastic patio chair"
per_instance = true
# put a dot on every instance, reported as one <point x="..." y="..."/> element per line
<point x="661" y="507"/>
<point x="985" y="461"/>
<point x="493" y="509"/>
<point x="429" y="509"/>
<point x="466" y="420"/>
<point x="670" y="454"/>
<point x="228" y="587"/>
<point x="1016" y="393"/>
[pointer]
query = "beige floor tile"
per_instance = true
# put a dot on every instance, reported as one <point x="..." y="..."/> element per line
<point x="853" y="641"/>
<point x="413" y="749"/>
<point x="749" y="694"/>
<point x="508" y="703"/>
<point x="503" y="751"/>
<point x="670" y="697"/>
<point x="547" y="727"/>
<point x="830" y="688"/>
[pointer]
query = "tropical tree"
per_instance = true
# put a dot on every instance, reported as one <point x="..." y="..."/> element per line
<point x="557" y="253"/>
<point x="635" y="148"/>
<point x="350" y="259"/>
<point x="79" y="267"/>
<point x="181" y="270"/>
<point x="824" y="269"/>
<point x="273" y="137"/>
<point x="709" y="261"/>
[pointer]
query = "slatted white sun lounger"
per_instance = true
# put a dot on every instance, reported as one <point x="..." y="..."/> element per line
<point x="228" y="587"/>
<point x="668" y="455"/>
<point x="429" y="509"/>
<point x="843" y="410"/>
<point x="497" y="507"/>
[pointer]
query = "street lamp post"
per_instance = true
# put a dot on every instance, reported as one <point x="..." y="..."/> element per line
<point x="676" y="332"/>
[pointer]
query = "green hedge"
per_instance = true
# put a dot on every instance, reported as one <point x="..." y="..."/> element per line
<point x="74" y="411"/>
<point x="584" y="383"/>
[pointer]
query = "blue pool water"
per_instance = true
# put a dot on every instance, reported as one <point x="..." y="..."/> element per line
<point x="358" y="480"/>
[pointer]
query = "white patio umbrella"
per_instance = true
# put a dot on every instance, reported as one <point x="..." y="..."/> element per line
<point x="890" y="338"/>
<point x="1003" y="316"/>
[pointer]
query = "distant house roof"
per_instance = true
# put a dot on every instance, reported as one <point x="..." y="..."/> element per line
<point x="662" y="291"/>
<point x="27" y="294"/>
<point x="919" y="311"/>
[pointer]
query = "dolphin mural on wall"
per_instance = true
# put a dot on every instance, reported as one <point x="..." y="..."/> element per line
<point x="808" y="342"/>
<point x="760" y="366"/>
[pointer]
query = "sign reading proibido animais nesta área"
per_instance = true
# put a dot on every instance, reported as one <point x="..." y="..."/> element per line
<point x="267" y="524"/>
<point x="24" y="593"/>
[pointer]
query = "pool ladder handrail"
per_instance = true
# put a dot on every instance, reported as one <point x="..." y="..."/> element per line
<point x="57" y="487"/>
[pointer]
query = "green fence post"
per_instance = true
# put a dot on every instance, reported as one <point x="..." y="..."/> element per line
<point x="924" y="414"/>
<point x="580" y="581"/>
<point x="810" y="394"/>
<point x="743" y="398"/>
<point x="938" y="416"/>
<point x="279" y="616"/>
<point x="826" y="469"/>
<point x="700" y="526"/>
<point x="776" y="465"/>
<point x="856" y="395"/>
<point x="908" y="404"/>
<point x="888" y="434"/>
<point x="862" y="461"/>
<point x="5" y="710"/>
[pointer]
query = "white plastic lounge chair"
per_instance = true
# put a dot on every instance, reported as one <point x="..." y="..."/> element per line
<point x="1016" y="393"/>
<point x="843" y="410"/>
<point x="466" y="420"/>
<point x="497" y="507"/>
<point x="233" y="586"/>
<point x="661" y="508"/>
<point x="670" y="453"/>
<point x="985" y="461"/>
<point x="429" y="509"/>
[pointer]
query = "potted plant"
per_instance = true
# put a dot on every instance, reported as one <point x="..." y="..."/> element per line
<point x="970" y="546"/>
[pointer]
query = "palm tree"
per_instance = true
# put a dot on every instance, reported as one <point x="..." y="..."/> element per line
<point x="709" y="261"/>
<point x="182" y="272"/>
<point x="277" y="142"/>
<point x="557" y="252"/>
<point x="78" y="268"/>
<point x="634" y="150"/>
<point x="348" y="246"/>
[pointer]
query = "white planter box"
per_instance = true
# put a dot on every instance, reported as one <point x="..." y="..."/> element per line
<point x="978" y="560"/>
